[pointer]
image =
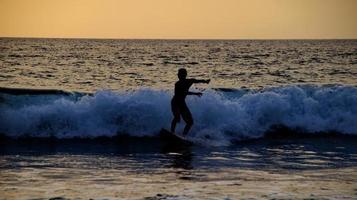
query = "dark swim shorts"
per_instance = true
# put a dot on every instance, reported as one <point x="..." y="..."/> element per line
<point x="179" y="108"/>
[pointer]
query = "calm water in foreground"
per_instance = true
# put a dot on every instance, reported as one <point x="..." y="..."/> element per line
<point x="147" y="168"/>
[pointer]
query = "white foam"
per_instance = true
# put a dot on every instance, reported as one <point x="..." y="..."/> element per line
<point x="222" y="116"/>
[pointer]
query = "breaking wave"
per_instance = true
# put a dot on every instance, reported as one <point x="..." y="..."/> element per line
<point x="224" y="115"/>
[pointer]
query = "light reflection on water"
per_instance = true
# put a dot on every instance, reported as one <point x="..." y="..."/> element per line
<point x="152" y="155"/>
<point x="89" y="65"/>
<point x="158" y="170"/>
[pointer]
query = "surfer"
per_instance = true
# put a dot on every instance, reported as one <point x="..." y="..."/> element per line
<point x="178" y="104"/>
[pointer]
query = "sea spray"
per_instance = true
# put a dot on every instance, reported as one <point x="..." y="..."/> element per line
<point x="220" y="116"/>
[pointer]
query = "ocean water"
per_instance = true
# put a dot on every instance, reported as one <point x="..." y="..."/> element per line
<point x="81" y="119"/>
<point x="92" y="65"/>
<point x="314" y="168"/>
<point x="118" y="87"/>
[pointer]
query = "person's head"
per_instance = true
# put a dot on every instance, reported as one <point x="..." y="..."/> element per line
<point x="182" y="73"/>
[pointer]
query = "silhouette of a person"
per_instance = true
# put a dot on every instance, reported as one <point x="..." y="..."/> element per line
<point x="178" y="104"/>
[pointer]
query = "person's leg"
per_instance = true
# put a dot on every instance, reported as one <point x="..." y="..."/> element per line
<point x="187" y="117"/>
<point x="176" y="113"/>
<point x="187" y="127"/>
<point x="175" y="120"/>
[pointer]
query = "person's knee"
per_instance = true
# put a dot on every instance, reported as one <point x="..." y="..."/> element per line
<point x="176" y="119"/>
<point x="189" y="122"/>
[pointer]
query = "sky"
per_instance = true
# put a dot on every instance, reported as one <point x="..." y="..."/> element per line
<point x="180" y="19"/>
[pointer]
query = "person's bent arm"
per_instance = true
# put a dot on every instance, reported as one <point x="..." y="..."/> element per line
<point x="200" y="80"/>
<point x="195" y="93"/>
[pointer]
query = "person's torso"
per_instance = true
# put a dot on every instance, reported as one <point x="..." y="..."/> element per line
<point x="181" y="89"/>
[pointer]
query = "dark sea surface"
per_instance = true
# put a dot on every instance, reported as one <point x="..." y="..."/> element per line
<point x="81" y="119"/>
<point x="90" y="65"/>
<point x="300" y="168"/>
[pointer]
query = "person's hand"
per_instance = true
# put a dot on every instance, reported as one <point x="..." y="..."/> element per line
<point x="199" y="94"/>
<point x="208" y="80"/>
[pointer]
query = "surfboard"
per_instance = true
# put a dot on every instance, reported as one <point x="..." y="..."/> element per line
<point x="172" y="137"/>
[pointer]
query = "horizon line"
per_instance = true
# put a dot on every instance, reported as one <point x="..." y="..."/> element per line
<point x="94" y="38"/>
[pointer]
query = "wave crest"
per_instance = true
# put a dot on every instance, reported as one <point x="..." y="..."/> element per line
<point x="221" y="115"/>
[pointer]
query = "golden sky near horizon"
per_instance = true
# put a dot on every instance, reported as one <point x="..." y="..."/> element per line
<point x="180" y="19"/>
